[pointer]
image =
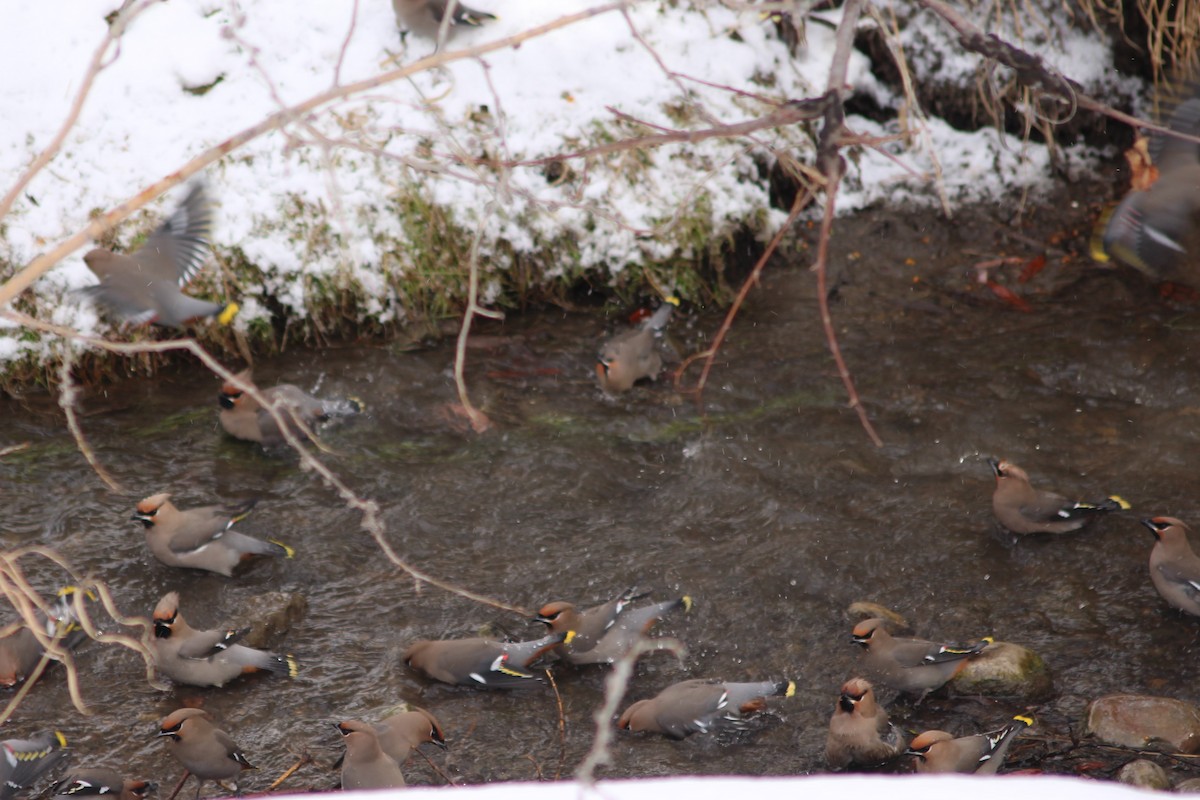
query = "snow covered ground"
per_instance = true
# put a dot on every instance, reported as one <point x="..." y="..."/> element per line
<point x="824" y="787"/>
<point x="343" y="195"/>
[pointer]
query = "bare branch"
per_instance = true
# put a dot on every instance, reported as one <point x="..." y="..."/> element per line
<point x="39" y="265"/>
<point x="116" y="29"/>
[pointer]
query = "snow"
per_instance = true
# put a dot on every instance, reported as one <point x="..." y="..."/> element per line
<point x="190" y="73"/>
<point x="825" y="787"/>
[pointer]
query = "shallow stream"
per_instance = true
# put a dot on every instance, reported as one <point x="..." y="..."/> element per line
<point x="774" y="511"/>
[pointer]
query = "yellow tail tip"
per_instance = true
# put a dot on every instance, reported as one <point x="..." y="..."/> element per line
<point x="62" y="740"/>
<point x="687" y="603"/>
<point x="989" y="639"/>
<point x="359" y="405"/>
<point x="791" y="689"/>
<point x="672" y="299"/>
<point x="567" y="639"/>
<point x="70" y="590"/>
<point x="288" y="552"/>
<point x="1121" y="501"/>
<point x="1096" y="243"/>
<point x="228" y="313"/>
<point x="293" y="665"/>
<point x="1027" y="719"/>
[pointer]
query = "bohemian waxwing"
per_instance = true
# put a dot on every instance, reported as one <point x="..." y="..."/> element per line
<point x="201" y="538"/>
<point x="405" y="731"/>
<point x="630" y="356"/>
<point x="1155" y="229"/>
<point x="484" y="663"/>
<point x="910" y="665"/>
<point x="860" y="734"/>
<point x="1024" y="509"/>
<point x="99" y="782"/>
<point x="424" y="17"/>
<point x="701" y="706"/>
<point x="21" y="650"/>
<point x="365" y="765"/>
<point x="982" y="754"/>
<point x="205" y="750"/>
<point x="24" y="761"/>
<point x="606" y="632"/>
<point x="1174" y="567"/>
<point x="144" y="286"/>
<point x="206" y="658"/>
<point x="243" y="417"/>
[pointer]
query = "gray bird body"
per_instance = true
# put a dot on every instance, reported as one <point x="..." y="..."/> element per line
<point x="99" y="782"/>
<point x="632" y="355"/>
<point x="860" y="733"/>
<point x="982" y="754"/>
<point x="244" y="418"/>
<point x="701" y="706"/>
<point x="1157" y="230"/>
<point x="424" y="17"/>
<point x="606" y="632"/>
<point x="24" y="761"/>
<point x="1023" y="509"/>
<point x="484" y="663"/>
<point x="21" y="651"/>
<point x="200" y="538"/>
<point x="910" y="665"/>
<point x="145" y="285"/>
<point x="206" y="658"/>
<point x="1174" y="566"/>
<point x="366" y="766"/>
<point x="201" y="747"/>
<point x="403" y="732"/>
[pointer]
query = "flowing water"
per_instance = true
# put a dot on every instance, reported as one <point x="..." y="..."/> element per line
<point x="773" y="510"/>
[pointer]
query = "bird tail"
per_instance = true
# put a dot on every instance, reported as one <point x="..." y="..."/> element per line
<point x="284" y="550"/>
<point x="346" y="407"/>
<point x="252" y="660"/>
<point x="30" y="759"/>
<point x="228" y="312"/>
<point x="658" y="320"/>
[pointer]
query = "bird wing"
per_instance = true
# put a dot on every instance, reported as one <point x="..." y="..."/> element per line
<point x="1169" y="152"/>
<point x="177" y="249"/>
<point x="918" y="653"/>
<point x="124" y="291"/>
<point x="1186" y="576"/>
<point x="205" y="644"/>
<point x="202" y="527"/>
<point x="694" y="707"/>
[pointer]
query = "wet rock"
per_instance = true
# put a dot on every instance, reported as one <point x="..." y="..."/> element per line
<point x="269" y="616"/>
<point x="1131" y="720"/>
<point x="1145" y="774"/>
<point x="1190" y="785"/>
<point x="1005" y="669"/>
<point x="865" y="609"/>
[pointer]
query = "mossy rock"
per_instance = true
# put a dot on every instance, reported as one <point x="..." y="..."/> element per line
<point x="1004" y="669"/>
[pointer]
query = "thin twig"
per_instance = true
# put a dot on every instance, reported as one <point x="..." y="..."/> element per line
<point x="287" y="773"/>
<point x="710" y="355"/>
<point x="371" y="521"/>
<point x="562" y="725"/>
<point x="829" y="160"/>
<point x="67" y="396"/>
<point x="614" y="689"/>
<point x="116" y="29"/>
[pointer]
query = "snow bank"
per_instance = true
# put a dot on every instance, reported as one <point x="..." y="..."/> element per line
<point x="825" y="787"/>
<point x="371" y="194"/>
